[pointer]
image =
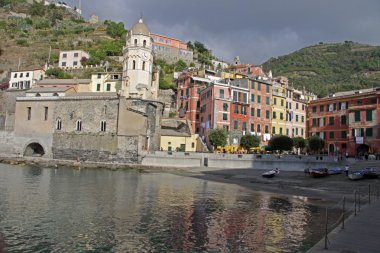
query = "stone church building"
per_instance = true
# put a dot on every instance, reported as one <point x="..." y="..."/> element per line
<point x="57" y="123"/>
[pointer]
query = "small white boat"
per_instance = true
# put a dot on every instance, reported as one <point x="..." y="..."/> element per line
<point x="269" y="174"/>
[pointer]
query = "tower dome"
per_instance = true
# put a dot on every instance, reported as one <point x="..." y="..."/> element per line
<point x="140" y="28"/>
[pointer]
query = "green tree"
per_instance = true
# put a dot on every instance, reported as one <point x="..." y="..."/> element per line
<point x="299" y="142"/>
<point x="180" y="65"/>
<point x="281" y="143"/>
<point x="115" y="30"/>
<point x="218" y="137"/>
<point x="37" y="9"/>
<point x="316" y="143"/>
<point x="200" y="47"/>
<point x="57" y="73"/>
<point x="249" y="141"/>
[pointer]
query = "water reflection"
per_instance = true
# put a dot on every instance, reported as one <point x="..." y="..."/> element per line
<point x="100" y="210"/>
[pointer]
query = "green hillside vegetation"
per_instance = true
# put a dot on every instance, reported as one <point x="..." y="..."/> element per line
<point x="329" y="68"/>
<point x="28" y="40"/>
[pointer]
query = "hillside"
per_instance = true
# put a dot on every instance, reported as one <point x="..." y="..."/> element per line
<point x="328" y="68"/>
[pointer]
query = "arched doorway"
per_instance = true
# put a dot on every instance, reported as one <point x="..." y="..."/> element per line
<point x="34" y="149"/>
<point x="363" y="149"/>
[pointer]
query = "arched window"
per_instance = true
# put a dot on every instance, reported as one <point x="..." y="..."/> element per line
<point x="134" y="64"/>
<point x="103" y="126"/>
<point x="58" y="124"/>
<point x="79" y="125"/>
<point x="143" y="65"/>
<point x="144" y="43"/>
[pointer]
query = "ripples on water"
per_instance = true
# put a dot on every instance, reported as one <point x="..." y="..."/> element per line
<point x="47" y="210"/>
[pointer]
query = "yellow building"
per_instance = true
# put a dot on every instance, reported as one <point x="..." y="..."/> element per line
<point x="176" y="135"/>
<point x="279" y="110"/>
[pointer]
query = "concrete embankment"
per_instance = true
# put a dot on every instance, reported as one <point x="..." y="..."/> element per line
<point x="224" y="161"/>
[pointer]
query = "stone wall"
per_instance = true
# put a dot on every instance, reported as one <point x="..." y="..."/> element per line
<point x="7" y="108"/>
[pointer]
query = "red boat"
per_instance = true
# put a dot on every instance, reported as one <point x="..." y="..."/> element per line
<point x="321" y="172"/>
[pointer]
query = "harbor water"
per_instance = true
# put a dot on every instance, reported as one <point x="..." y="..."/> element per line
<point x="99" y="210"/>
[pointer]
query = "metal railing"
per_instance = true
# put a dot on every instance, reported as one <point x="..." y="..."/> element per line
<point x="361" y="196"/>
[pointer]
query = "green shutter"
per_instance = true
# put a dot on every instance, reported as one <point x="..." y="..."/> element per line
<point x="357" y="116"/>
<point x="368" y="115"/>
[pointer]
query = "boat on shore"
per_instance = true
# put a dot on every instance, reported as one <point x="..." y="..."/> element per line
<point x="356" y="175"/>
<point x="269" y="174"/>
<point x="335" y="171"/>
<point x="320" y="172"/>
<point x="370" y="173"/>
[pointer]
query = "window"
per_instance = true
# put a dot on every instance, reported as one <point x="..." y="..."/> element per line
<point x="357" y="116"/>
<point x="321" y="108"/>
<point x="331" y="135"/>
<point x="296" y="106"/>
<point x="275" y="101"/>
<point x="143" y="65"/>
<point x="58" y="124"/>
<point x="343" y="119"/>
<point x="281" y="130"/>
<point x="27" y="74"/>
<point x="236" y="109"/>
<point x="252" y="127"/>
<point x="135" y="42"/>
<point x="314" y="122"/>
<point x="282" y="103"/>
<point x="108" y="87"/>
<point x="245" y="96"/>
<point x="267" y="100"/>
<point x="258" y="113"/>
<point x="258" y="128"/>
<point x="360" y="102"/>
<point x="266" y="129"/>
<point x="314" y="109"/>
<point x="252" y="85"/>
<point x="236" y="124"/>
<point x="252" y="112"/>
<point x="297" y="131"/>
<point x="296" y="118"/>
<point x="99" y="75"/>
<point x="290" y="105"/>
<point x="144" y="43"/>
<point x="15" y="75"/>
<point x="243" y="110"/>
<point x="252" y="97"/>
<point x="369" y="132"/>
<point x="302" y="131"/>
<point x="133" y="64"/>
<point x="244" y="126"/>
<point x="258" y="86"/>
<point x="344" y="134"/>
<point x="64" y="55"/>
<point x="302" y="119"/>
<point x="46" y="110"/>
<point x="76" y="54"/>
<point x="267" y="88"/>
<point x="63" y="64"/>
<point x="267" y="114"/>
<point x="225" y="116"/>
<point x="331" y="121"/>
<point x="198" y="90"/>
<point x="225" y="107"/>
<point x="368" y="115"/>
<point x="79" y="125"/>
<point x="273" y="130"/>
<point x="221" y="93"/>
<point x="98" y="87"/>
<point x="274" y="115"/>
<point x="29" y="109"/>
<point x="103" y="126"/>
<point x="258" y="99"/>
<point x="75" y="63"/>
<point x="281" y="115"/>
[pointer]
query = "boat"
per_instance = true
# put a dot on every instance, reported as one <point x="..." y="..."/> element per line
<point x="335" y="171"/>
<point x="320" y="172"/>
<point x="370" y="173"/>
<point x="269" y="174"/>
<point x="356" y="175"/>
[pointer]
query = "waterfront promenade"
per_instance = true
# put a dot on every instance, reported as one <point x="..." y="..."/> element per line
<point x="360" y="235"/>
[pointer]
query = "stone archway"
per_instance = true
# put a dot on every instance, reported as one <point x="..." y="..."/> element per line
<point x="34" y="149"/>
<point x="362" y="149"/>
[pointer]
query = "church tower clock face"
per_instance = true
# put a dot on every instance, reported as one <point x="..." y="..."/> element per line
<point x="145" y="56"/>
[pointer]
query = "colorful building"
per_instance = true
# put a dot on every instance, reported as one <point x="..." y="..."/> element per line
<point x="25" y="79"/>
<point x="279" y="111"/>
<point x="176" y="135"/>
<point x="347" y="121"/>
<point x="170" y="49"/>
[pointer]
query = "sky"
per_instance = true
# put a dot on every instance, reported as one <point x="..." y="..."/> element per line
<point x="254" y="30"/>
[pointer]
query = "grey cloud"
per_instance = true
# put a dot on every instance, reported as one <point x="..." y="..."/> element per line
<point x="253" y="29"/>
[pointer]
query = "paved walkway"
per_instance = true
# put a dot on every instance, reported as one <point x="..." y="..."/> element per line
<point x="361" y="233"/>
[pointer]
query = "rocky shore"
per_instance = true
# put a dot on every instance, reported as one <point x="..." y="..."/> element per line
<point x="290" y="183"/>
